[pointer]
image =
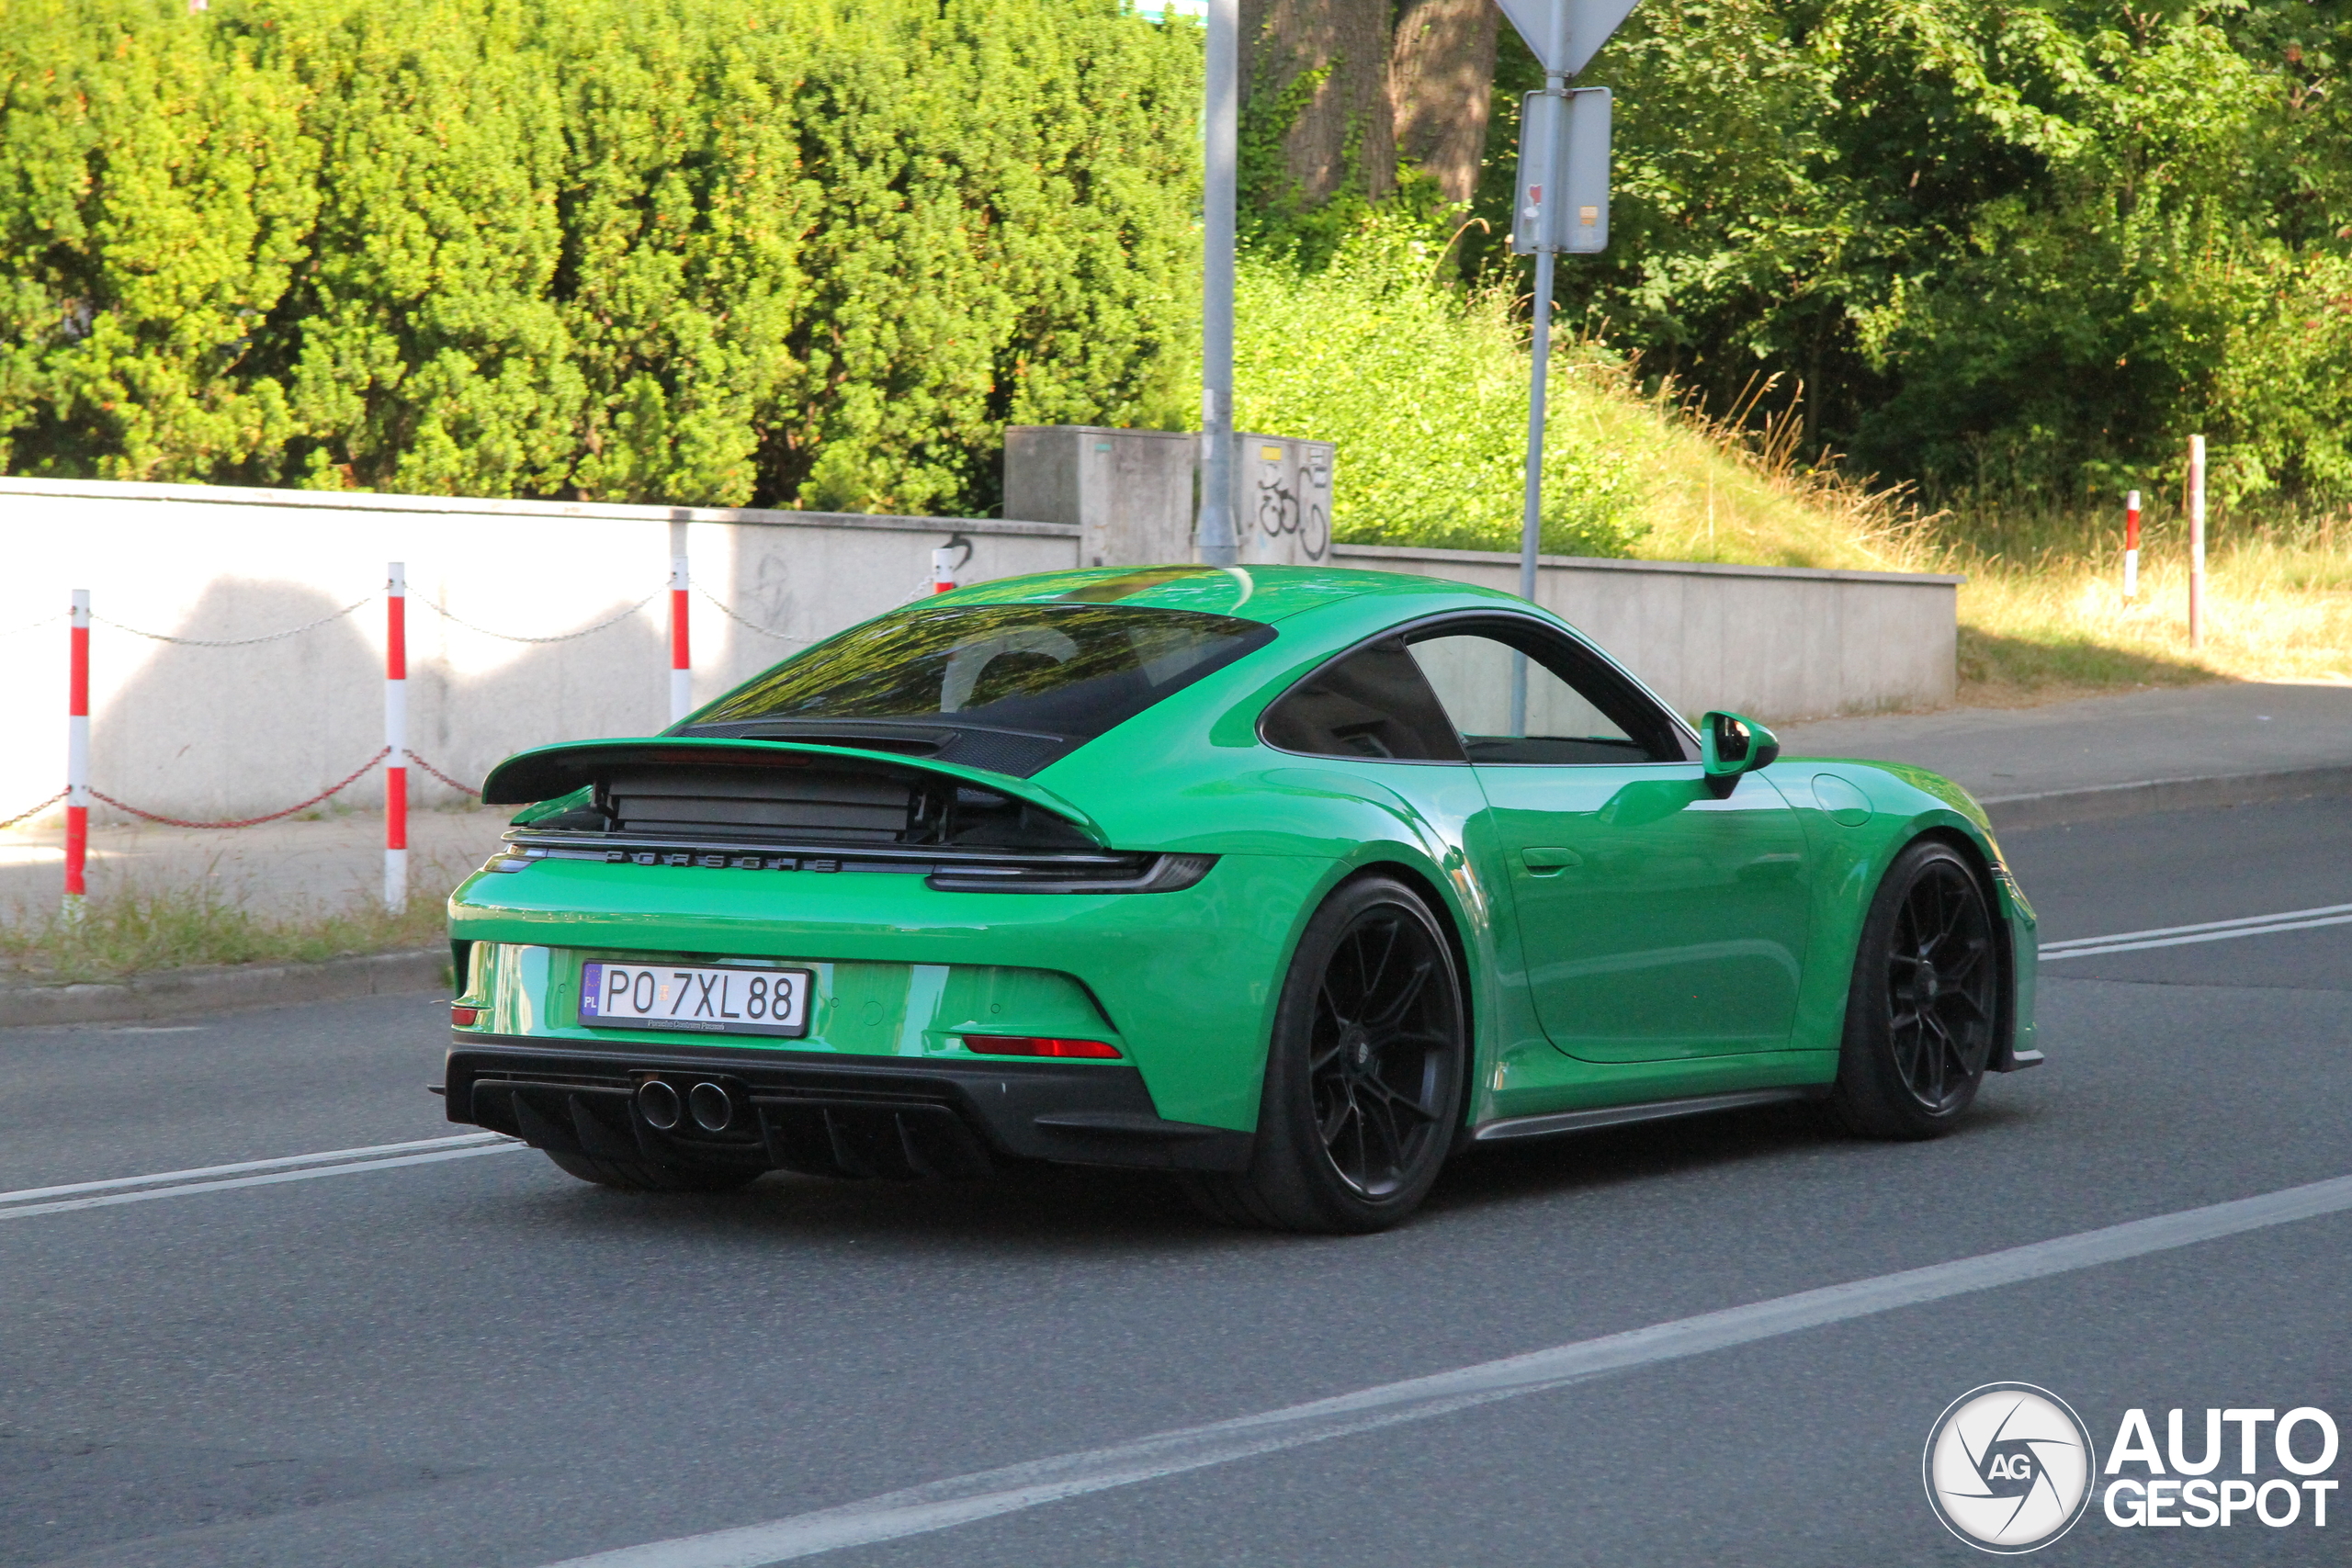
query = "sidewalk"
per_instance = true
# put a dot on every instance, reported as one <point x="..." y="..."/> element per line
<point x="2151" y="751"/>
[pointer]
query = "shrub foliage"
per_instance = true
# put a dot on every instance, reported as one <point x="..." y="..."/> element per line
<point x="791" y="253"/>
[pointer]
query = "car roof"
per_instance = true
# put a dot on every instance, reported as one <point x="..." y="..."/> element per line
<point x="1252" y="593"/>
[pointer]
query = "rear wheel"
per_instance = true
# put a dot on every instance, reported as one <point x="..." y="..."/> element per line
<point x="1363" y="1074"/>
<point x="1920" y="1019"/>
<point x="643" y="1176"/>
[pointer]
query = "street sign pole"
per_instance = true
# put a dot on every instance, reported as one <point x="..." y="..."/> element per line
<point x="1564" y="168"/>
<point x="1220" y="146"/>
<point x="1531" y="522"/>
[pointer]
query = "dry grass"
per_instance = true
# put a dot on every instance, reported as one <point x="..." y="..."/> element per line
<point x="2042" y="614"/>
<point x="137" y="929"/>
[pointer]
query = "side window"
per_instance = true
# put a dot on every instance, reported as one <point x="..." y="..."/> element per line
<point x="1374" y="703"/>
<point x="1579" y="710"/>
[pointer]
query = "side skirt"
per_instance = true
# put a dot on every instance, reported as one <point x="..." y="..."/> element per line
<point x="1652" y="1111"/>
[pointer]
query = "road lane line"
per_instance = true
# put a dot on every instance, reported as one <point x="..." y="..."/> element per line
<point x="2119" y="946"/>
<point x="2243" y="920"/>
<point x="272" y="1179"/>
<point x="965" y="1499"/>
<point x="27" y="1194"/>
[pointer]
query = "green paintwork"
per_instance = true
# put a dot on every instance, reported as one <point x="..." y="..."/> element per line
<point x="1681" y="930"/>
<point x="1629" y="934"/>
<point x="862" y="1007"/>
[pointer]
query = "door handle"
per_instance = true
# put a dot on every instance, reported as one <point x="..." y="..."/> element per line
<point x="1549" y="862"/>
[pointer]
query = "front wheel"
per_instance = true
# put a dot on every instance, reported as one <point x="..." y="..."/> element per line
<point x="1363" y="1074"/>
<point x="1921" y="1017"/>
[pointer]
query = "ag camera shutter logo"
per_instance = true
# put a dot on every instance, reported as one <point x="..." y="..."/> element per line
<point x="2009" y="1468"/>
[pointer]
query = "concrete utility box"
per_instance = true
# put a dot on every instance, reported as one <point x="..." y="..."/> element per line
<point x="1131" y="490"/>
<point x="1282" y="500"/>
<point x="1132" y="493"/>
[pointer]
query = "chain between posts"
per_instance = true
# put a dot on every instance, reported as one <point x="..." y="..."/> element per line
<point x="353" y="778"/>
<point x="463" y="789"/>
<point x="448" y="615"/>
<point x="239" y="641"/>
<point x="738" y="619"/>
<point x="32" y="626"/>
<point x="34" y="812"/>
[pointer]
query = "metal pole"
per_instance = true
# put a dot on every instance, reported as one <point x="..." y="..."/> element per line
<point x="396" y="737"/>
<point x="1220" y="139"/>
<point x="2196" y="541"/>
<point x="1531" y="525"/>
<point x="2132" y="546"/>
<point x="78" y="754"/>
<point x="681" y="664"/>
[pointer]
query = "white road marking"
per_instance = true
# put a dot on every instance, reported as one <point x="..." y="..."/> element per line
<point x="2208" y="930"/>
<point x="16" y="1211"/>
<point x="943" y="1504"/>
<point x="26" y="1194"/>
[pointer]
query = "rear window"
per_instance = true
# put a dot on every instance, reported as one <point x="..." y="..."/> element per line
<point x="1071" y="672"/>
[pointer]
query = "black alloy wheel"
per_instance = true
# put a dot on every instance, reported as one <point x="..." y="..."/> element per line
<point x="1379" y="1051"/>
<point x="1365" y="1076"/>
<point x="1920" y="1022"/>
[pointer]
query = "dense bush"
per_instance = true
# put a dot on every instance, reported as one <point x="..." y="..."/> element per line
<point x="791" y="252"/>
<point x="1424" y="392"/>
<point x="2015" y="247"/>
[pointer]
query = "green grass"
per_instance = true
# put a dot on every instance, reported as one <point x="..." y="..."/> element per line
<point x="137" y="929"/>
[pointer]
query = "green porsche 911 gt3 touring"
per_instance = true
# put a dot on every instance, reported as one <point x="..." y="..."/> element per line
<point x="1293" y="882"/>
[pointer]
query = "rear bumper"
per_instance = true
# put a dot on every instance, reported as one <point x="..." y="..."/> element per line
<point x="826" y="1114"/>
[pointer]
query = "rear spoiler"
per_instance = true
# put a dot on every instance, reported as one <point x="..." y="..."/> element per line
<point x="547" y="772"/>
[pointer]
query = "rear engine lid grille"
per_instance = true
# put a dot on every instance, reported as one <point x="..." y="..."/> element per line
<point x="802" y="804"/>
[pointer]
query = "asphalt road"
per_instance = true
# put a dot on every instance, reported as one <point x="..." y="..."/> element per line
<point x="475" y="1360"/>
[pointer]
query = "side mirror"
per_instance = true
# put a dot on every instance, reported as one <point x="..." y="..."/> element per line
<point x="1730" y="745"/>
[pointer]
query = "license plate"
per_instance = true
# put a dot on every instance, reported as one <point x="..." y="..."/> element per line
<point x="710" y="1001"/>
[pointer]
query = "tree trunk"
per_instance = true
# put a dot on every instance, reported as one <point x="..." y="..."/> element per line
<point x="1345" y="131"/>
<point x="1441" y="79"/>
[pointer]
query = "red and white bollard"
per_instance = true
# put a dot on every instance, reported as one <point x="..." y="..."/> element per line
<point x="2196" y="541"/>
<point x="77" y="755"/>
<point x="943" y="569"/>
<point x="396" y="737"/>
<point x="682" y="667"/>
<point x="2132" y="546"/>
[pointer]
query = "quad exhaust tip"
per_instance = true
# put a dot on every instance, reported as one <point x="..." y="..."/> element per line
<point x="658" y="1103"/>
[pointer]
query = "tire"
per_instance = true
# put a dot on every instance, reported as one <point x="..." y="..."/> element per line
<point x="1926" y="1000"/>
<point x="1363" y="1074"/>
<point x="640" y="1176"/>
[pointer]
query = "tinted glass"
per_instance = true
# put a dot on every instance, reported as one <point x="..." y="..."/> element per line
<point x="1066" y="669"/>
<point x="1374" y="703"/>
<point x="1579" y="710"/>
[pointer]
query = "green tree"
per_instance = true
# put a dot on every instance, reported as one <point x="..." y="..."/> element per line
<point x="801" y="253"/>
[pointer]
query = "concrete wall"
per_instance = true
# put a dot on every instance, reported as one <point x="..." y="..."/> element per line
<point x="213" y="733"/>
<point x="218" y="732"/>
<point x="1773" y="642"/>
<point x="1132" y="493"/>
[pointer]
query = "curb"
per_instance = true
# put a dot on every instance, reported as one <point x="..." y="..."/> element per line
<point x="177" y="993"/>
<point x="2015" y="812"/>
